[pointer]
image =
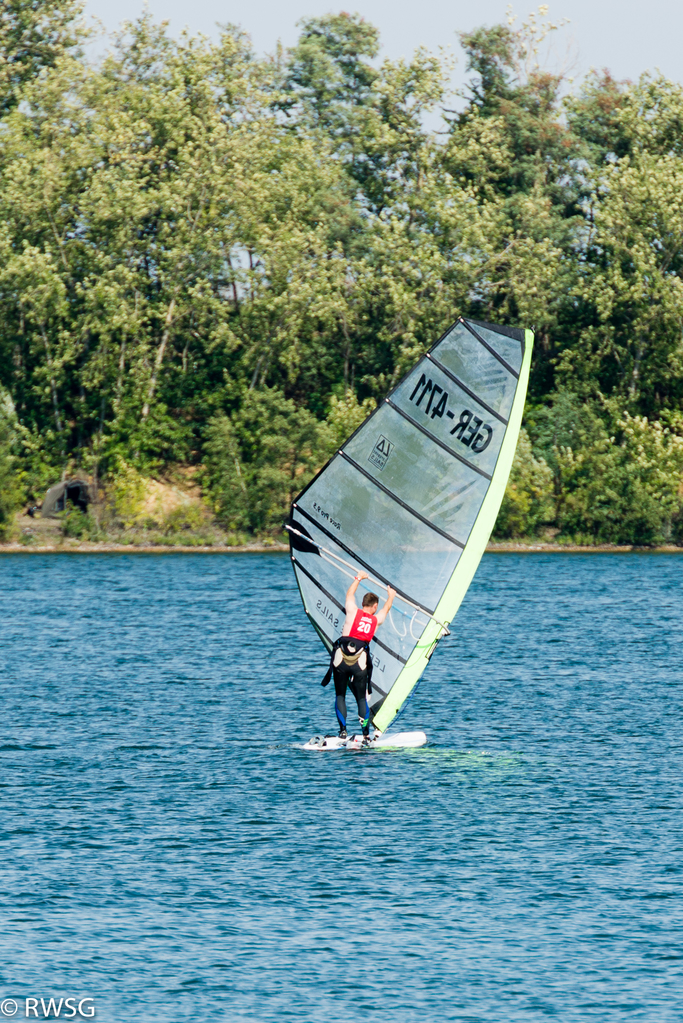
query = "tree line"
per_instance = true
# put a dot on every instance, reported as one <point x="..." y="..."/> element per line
<point x="217" y="259"/>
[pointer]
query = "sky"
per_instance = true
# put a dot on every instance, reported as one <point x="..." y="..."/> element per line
<point x="626" y="36"/>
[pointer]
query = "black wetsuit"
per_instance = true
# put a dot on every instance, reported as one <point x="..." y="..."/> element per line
<point x="349" y="673"/>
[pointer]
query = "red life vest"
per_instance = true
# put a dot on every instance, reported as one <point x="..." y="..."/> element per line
<point x="364" y="626"/>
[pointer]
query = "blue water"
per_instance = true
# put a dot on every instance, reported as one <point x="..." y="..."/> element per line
<point x="169" y="852"/>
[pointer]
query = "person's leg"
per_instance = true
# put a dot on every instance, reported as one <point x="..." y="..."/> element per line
<point x="340" y="699"/>
<point x="358" y="685"/>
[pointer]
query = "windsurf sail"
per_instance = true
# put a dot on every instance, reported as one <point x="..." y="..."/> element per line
<point x="411" y="499"/>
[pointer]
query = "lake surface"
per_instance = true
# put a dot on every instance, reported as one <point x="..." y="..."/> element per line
<point x="167" y="851"/>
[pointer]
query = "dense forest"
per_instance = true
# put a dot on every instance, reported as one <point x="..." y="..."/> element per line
<point x="216" y="260"/>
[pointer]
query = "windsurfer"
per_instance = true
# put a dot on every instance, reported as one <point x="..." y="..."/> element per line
<point x="351" y="663"/>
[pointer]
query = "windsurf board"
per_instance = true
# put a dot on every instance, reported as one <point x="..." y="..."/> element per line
<point x="399" y="740"/>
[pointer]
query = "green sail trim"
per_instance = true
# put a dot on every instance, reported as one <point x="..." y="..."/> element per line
<point x="469" y="560"/>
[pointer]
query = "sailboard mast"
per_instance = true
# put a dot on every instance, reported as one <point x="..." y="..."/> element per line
<point x="411" y="498"/>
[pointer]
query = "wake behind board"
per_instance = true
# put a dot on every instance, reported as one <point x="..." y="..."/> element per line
<point x="401" y="740"/>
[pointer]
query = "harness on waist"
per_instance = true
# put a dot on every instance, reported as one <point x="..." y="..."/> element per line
<point x="351" y="650"/>
<point x="350" y="659"/>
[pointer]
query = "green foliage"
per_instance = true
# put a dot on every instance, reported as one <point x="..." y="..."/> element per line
<point x="218" y="260"/>
<point x="529" y="499"/>
<point x="34" y="35"/>
<point x="565" y="421"/>
<point x="625" y="488"/>
<point x="259" y="458"/>
<point x="127" y="489"/>
<point x="186" y="517"/>
<point x="327" y="73"/>
<point x="11" y="490"/>
<point x="346" y="415"/>
<point x="599" y="474"/>
<point x="80" y="525"/>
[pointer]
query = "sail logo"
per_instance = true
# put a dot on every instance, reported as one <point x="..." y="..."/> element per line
<point x="381" y="451"/>
<point x="328" y="613"/>
<point x="470" y="430"/>
<point x="326" y="515"/>
<point x="377" y="665"/>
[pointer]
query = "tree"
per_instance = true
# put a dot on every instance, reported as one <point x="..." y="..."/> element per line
<point x="625" y="488"/>
<point x="528" y="502"/>
<point x="198" y="246"/>
<point x="11" y="492"/>
<point x="260" y="457"/>
<point x="35" y="35"/>
<point x="327" y="76"/>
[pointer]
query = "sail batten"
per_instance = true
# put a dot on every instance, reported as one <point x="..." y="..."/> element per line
<point x="445" y="447"/>
<point x="412" y="497"/>
<point x="315" y="582"/>
<point x="466" y="389"/>
<point x="333" y="600"/>
<point x="388" y="650"/>
<point x="398" y="500"/>
<point x="492" y="350"/>
<point x="365" y="564"/>
<point x="351" y="575"/>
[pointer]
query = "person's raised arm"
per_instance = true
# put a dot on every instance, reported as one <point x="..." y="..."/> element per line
<point x="381" y="615"/>
<point x="351" y="606"/>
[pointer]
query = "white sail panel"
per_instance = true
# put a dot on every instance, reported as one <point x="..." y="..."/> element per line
<point x="450" y="416"/>
<point x="463" y="355"/>
<point x="406" y="551"/>
<point x="326" y="573"/>
<point x="455" y="492"/>
<point x="506" y="347"/>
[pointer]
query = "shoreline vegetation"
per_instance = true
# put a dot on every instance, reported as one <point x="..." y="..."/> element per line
<point x="272" y="546"/>
<point x="214" y="265"/>
<point x="173" y="515"/>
